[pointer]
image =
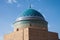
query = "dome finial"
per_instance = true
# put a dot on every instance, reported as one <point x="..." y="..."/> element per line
<point x="29" y="4"/>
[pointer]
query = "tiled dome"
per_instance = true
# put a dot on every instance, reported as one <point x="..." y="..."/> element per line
<point x="30" y="14"/>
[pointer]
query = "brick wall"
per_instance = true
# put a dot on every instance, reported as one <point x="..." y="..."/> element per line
<point x="52" y="36"/>
<point x="37" y="34"/>
<point x="22" y="34"/>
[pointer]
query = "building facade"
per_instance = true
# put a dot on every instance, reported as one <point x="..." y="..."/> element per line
<point x="31" y="25"/>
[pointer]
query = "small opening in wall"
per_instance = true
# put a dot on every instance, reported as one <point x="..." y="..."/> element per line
<point x="17" y="29"/>
<point x="30" y="25"/>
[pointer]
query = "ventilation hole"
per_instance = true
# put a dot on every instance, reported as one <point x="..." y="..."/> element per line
<point x="17" y="29"/>
<point x="30" y="25"/>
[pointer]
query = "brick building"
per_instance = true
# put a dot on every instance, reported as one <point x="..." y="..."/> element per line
<point x="31" y="25"/>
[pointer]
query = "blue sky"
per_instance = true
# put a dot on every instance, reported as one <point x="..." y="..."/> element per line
<point x="11" y="9"/>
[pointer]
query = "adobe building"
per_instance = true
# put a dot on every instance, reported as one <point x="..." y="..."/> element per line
<point x="31" y="25"/>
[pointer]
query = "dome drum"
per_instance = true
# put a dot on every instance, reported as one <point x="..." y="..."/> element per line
<point x="34" y="23"/>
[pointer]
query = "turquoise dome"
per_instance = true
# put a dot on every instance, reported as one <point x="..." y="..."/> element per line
<point x="31" y="12"/>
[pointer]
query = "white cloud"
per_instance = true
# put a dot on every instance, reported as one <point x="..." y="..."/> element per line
<point x="12" y="1"/>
